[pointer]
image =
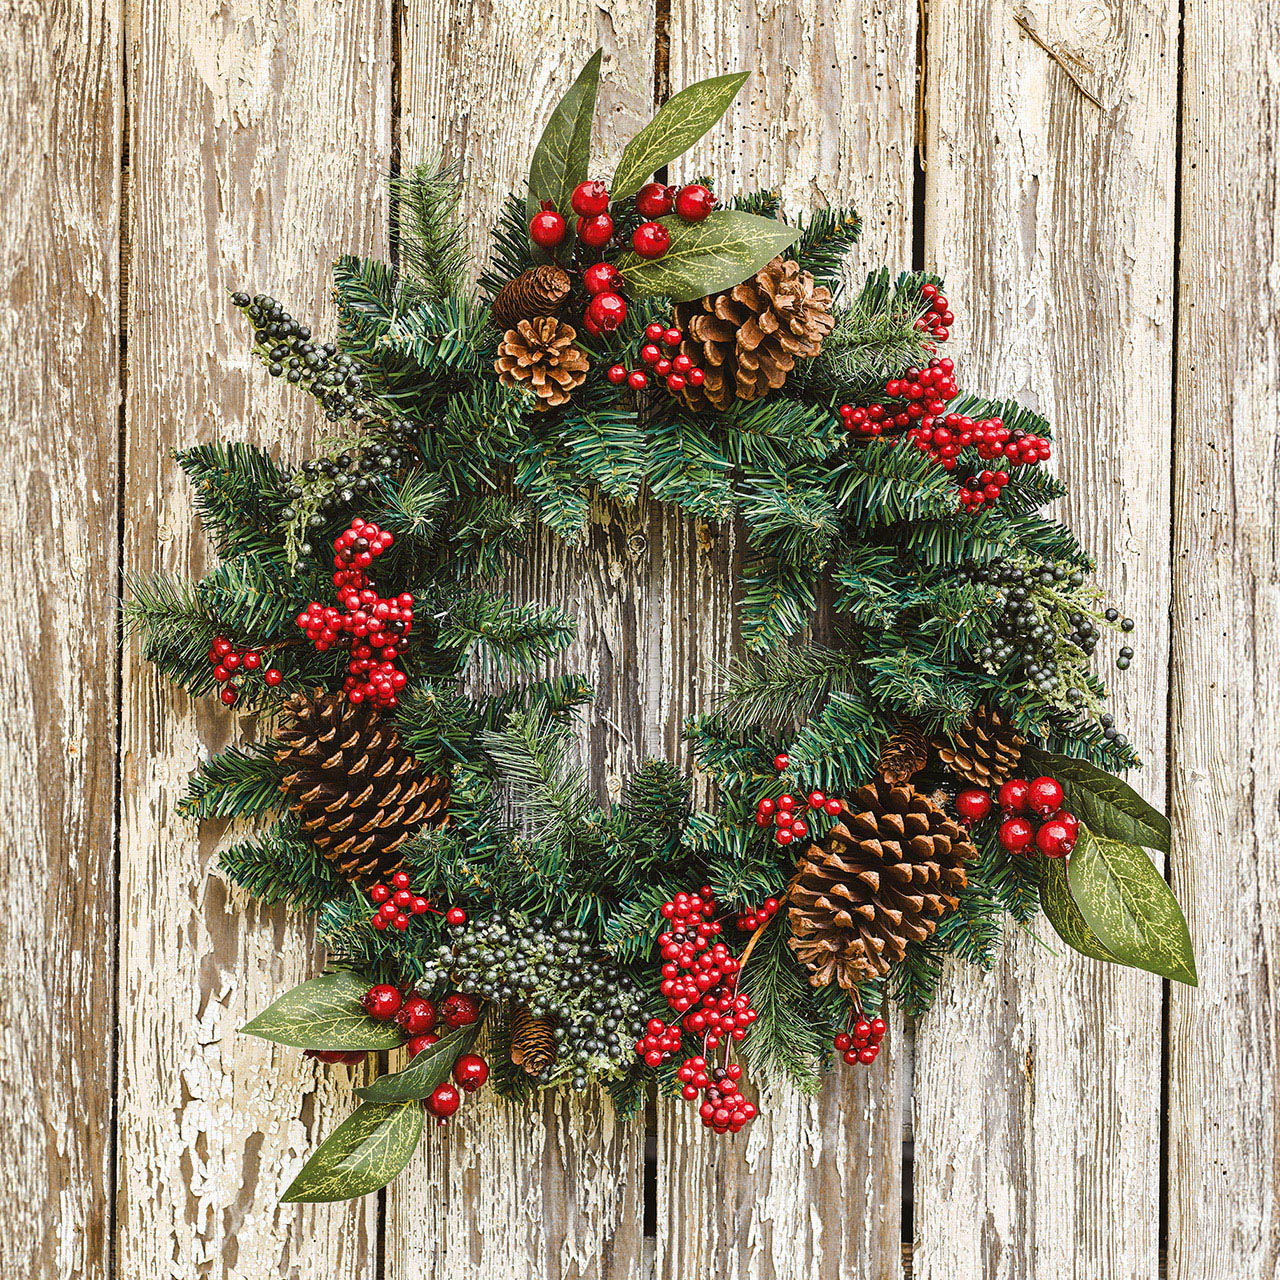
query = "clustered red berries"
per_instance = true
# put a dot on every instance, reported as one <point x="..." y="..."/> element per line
<point x="228" y="661"/>
<point x="678" y="370"/>
<point x="758" y="917"/>
<point x="1020" y="801"/>
<point x="781" y="813"/>
<point x="396" y="902"/>
<point x="937" y="320"/>
<point x="699" y="981"/>
<point x="417" y="1017"/>
<point x="377" y="628"/>
<point x="861" y="1043"/>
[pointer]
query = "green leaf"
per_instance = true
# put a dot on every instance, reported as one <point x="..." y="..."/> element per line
<point x="426" y="1070"/>
<point x="361" y="1155"/>
<point x="325" y="1013"/>
<point x="1104" y="803"/>
<point x="1129" y="907"/>
<point x="563" y="152"/>
<point x="704" y="257"/>
<point x="676" y="127"/>
<point x="1061" y="910"/>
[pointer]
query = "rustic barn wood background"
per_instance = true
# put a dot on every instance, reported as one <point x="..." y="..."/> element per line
<point x="1113" y="262"/>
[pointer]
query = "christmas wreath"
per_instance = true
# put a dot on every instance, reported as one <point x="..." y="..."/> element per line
<point x="879" y="802"/>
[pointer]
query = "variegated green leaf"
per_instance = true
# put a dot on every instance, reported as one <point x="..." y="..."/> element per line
<point x="325" y="1013"/>
<point x="704" y="257"/>
<point x="563" y="152"/>
<point x="361" y="1155"/>
<point x="676" y="127"/>
<point x="1064" y="915"/>
<point x="1130" y="908"/>
<point x="426" y="1070"/>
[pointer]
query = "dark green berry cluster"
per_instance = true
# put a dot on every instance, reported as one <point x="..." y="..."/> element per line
<point x="555" y="971"/>
<point x="286" y="348"/>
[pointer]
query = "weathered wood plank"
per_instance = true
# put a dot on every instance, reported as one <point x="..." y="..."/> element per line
<point x="814" y="1186"/>
<point x="568" y="1199"/>
<point x="1037" y="1090"/>
<point x="59" y="402"/>
<point x="1224" y="1039"/>
<point x="259" y="132"/>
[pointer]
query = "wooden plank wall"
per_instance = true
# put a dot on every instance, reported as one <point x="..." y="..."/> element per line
<point x="1112" y="263"/>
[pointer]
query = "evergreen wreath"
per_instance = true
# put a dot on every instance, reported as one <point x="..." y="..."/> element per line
<point x="880" y="801"/>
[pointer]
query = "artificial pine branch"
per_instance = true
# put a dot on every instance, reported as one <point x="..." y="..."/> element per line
<point x="240" y="782"/>
<point x="239" y="493"/>
<point x="282" y="866"/>
<point x="515" y="635"/>
<point x="782" y="687"/>
<point x="434" y="254"/>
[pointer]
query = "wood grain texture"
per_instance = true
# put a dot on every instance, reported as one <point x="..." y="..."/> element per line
<point x="1224" y="1039"/>
<point x="567" y="1202"/>
<point x="1037" y="1090"/>
<point x="59" y="404"/>
<point x="813" y="1188"/>
<point x="259" y="131"/>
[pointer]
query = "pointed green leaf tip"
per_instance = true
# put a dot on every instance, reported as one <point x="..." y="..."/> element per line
<point x="1129" y="907"/>
<point x="563" y="152"/>
<point x="324" y="1013"/>
<point x="426" y="1070"/>
<point x="676" y="127"/>
<point x="361" y="1155"/>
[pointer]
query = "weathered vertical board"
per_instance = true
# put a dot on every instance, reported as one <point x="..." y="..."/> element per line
<point x="1224" y="1039"/>
<point x="813" y="1187"/>
<point x="554" y="1189"/>
<point x="1038" y="1090"/>
<point x="59" y="404"/>
<point x="259" y="133"/>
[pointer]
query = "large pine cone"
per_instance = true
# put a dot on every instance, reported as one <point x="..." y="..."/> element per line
<point x="986" y="752"/>
<point x="539" y="354"/>
<point x="533" y="1042"/>
<point x="883" y="876"/>
<point x="540" y="291"/>
<point x="747" y="339"/>
<point x="357" y="791"/>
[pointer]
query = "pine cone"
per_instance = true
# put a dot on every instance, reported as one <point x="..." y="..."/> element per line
<point x="985" y="752"/>
<point x="540" y="291"/>
<point x="540" y="354"/>
<point x="882" y="877"/>
<point x="747" y="339"/>
<point x="904" y="755"/>
<point x="533" y="1044"/>
<point x="357" y="792"/>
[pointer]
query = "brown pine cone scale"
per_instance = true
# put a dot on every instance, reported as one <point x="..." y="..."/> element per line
<point x="533" y="1044"/>
<point x="540" y="291"/>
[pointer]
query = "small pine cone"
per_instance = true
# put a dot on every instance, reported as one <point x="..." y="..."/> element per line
<point x="882" y="877"/>
<point x="748" y="338"/>
<point x="540" y="355"/>
<point x="533" y="1044"/>
<point x="540" y="291"/>
<point x="904" y="755"/>
<point x="985" y="752"/>
<point x="357" y="792"/>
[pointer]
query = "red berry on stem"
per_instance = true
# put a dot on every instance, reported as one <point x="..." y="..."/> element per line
<point x="833" y="807"/>
<point x="973" y="805"/>
<point x="228" y="696"/>
<point x="444" y="1101"/>
<point x="470" y="1071"/>
<point x="1045" y="795"/>
<point x="617" y="373"/>
<point x="601" y="277"/>
<point x="418" y="1043"/>
<point x="1015" y="795"/>
<point x="780" y="761"/>
<point x="654" y="331"/>
<point x="458" y="1010"/>
<point x="596" y="231"/>
<point x="694" y="202"/>
<point x="653" y="200"/>
<point x="650" y="239"/>
<point x="637" y="380"/>
<point x="455" y="916"/>
<point x="382" y="1002"/>
<point x="1070" y="821"/>
<point x="272" y="676"/>
<point x="590" y="198"/>
<point x="547" y="229"/>
<point x="417" y="1016"/>
<point x="608" y="310"/>
<point x="1016" y="834"/>
<point x="1053" y="839"/>
<point x="842" y="1041"/>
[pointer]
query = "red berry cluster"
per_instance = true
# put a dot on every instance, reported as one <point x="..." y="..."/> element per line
<point x="227" y="661"/>
<point x="925" y="392"/>
<point x="417" y="1017"/>
<point x="863" y="1042"/>
<point x="678" y="370"/>
<point x="780" y="812"/>
<point x="937" y="321"/>
<point x="758" y="917"/>
<point x="699" y="981"/>
<point x="1020" y="802"/>
<point x="376" y="627"/>
<point x="396" y="902"/>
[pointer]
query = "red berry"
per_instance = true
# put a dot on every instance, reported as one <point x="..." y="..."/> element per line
<point x="547" y="229"/>
<point x="650" y="353"/>
<point x="781" y="761"/>
<point x="653" y="200"/>
<point x="784" y="836"/>
<point x="973" y="805"/>
<point x="878" y="1028"/>
<point x="765" y="806"/>
<point x="608" y="310"/>
<point x="470" y="1071"/>
<point x="1053" y="839"/>
<point x="695" y="377"/>
<point x="842" y="1041"/>
<point x="1015" y="795"/>
<point x="1016" y="834"/>
<point x="673" y="338"/>
<point x="637" y="380"/>
<point x="457" y="1010"/>
<point x="382" y="1002"/>
<point x="601" y="277"/>
<point x="444" y="1101"/>
<point x="418" y="1043"/>
<point x="654" y="331"/>
<point x="417" y="1016"/>
<point x="1068" y="820"/>
<point x="617" y="373"/>
<point x="228" y="696"/>
<point x="694" y="202"/>
<point x="590" y="198"/>
<point x="1046" y="795"/>
<point x="400" y="880"/>
<point x="272" y="676"/>
<point x="251" y="661"/>
<point x="833" y="807"/>
<point x="650" y="239"/>
<point x="816" y="799"/>
<point x="379" y="893"/>
<point x="867" y="1056"/>
<point x="799" y="830"/>
<point x="455" y="916"/>
<point x="596" y="231"/>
